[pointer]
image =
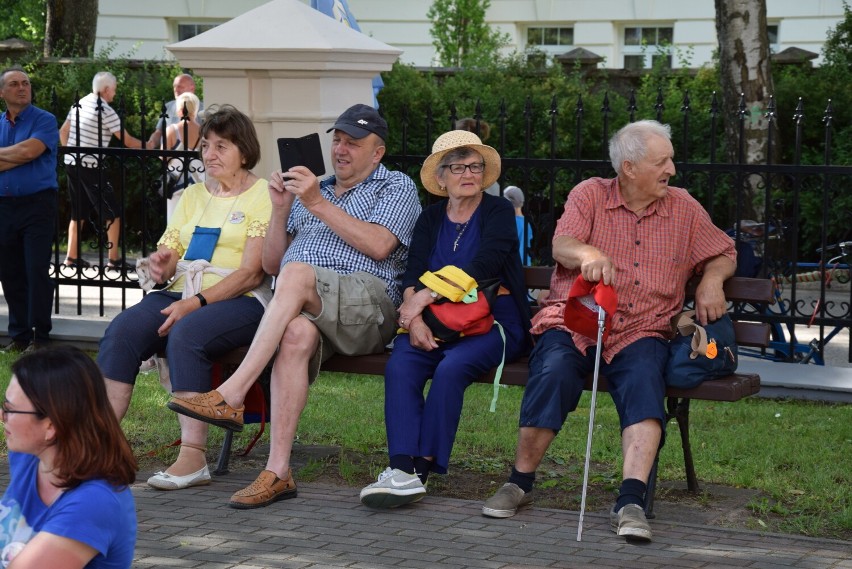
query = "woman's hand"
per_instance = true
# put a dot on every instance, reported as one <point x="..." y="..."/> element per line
<point x="420" y="336"/>
<point x="175" y="311"/>
<point x="159" y="265"/>
<point x="413" y="306"/>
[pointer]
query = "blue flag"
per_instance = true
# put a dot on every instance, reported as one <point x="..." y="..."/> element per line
<point x="339" y="10"/>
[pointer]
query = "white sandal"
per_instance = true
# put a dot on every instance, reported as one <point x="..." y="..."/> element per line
<point x="165" y="481"/>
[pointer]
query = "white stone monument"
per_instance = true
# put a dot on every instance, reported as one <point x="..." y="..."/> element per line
<point x="290" y="68"/>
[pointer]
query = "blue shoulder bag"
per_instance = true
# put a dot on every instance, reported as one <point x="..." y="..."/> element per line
<point x="698" y="353"/>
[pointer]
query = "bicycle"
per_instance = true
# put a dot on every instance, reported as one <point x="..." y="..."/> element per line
<point x="784" y="345"/>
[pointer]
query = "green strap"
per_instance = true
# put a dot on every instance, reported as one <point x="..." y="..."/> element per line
<point x="499" y="373"/>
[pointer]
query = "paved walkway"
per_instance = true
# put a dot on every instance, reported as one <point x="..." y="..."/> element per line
<point x="326" y="526"/>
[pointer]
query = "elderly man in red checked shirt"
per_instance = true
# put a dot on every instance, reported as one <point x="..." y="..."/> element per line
<point x="646" y="239"/>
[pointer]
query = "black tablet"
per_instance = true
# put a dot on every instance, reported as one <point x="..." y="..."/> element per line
<point x="305" y="151"/>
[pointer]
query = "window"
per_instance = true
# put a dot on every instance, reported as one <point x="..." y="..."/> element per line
<point x="549" y="37"/>
<point x="645" y="46"/>
<point x="186" y="31"/>
<point x="772" y="31"/>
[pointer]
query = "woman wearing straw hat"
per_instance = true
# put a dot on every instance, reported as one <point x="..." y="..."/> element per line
<point x="476" y="233"/>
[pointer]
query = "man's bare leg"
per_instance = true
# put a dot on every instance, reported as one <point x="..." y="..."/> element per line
<point x="295" y="292"/>
<point x="74" y="228"/>
<point x="533" y="442"/>
<point x="289" y="391"/>
<point x="639" y="443"/>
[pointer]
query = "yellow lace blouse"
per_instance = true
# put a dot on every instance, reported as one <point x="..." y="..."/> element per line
<point x="240" y="218"/>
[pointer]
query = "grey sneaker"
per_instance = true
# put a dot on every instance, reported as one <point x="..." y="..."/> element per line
<point x="630" y="522"/>
<point x="507" y="500"/>
<point x="393" y="488"/>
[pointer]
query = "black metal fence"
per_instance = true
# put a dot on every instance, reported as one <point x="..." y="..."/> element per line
<point x="138" y="180"/>
<point x="546" y="175"/>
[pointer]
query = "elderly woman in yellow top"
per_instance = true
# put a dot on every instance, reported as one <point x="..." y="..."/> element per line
<point x="210" y="254"/>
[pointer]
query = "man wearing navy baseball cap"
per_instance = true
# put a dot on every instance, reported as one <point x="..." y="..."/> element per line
<point x="359" y="121"/>
<point x="339" y="248"/>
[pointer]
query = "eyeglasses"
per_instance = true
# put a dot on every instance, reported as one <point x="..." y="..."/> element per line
<point x="4" y="408"/>
<point x="475" y="168"/>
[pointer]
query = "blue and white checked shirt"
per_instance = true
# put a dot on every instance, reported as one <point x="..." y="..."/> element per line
<point x="386" y="198"/>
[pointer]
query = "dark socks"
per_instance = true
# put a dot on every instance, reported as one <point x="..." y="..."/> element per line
<point x="402" y="462"/>
<point x="524" y="480"/>
<point x="632" y="491"/>
<point x="422" y="467"/>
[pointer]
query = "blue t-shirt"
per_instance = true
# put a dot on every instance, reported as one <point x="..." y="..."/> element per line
<point x="524" y="238"/>
<point x="38" y="174"/>
<point x="94" y="513"/>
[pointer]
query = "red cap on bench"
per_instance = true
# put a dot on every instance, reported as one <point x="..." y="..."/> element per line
<point x="581" y="308"/>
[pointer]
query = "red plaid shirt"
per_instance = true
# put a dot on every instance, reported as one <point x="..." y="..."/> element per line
<point x="654" y="253"/>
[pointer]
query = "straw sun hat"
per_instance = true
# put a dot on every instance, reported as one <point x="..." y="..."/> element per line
<point x="450" y="141"/>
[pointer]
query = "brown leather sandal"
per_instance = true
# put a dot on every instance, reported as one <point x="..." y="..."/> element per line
<point x="265" y="490"/>
<point x="211" y="408"/>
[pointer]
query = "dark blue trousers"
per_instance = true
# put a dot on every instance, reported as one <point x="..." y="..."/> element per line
<point x="191" y="345"/>
<point x="27" y="228"/>
<point x="426" y="425"/>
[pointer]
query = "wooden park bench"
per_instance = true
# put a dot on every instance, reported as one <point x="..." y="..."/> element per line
<point x="727" y="389"/>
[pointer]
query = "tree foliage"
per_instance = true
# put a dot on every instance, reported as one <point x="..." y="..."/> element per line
<point x="837" y="51"/>
<point x="23" y="19"/>
<point x="460" y="34"/>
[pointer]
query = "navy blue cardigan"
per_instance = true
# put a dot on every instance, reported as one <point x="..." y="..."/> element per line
<point x="497" y="256"/>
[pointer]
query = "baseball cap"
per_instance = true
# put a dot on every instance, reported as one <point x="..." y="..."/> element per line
<point x="581" y="308"/>
<point x="360" y="120"/>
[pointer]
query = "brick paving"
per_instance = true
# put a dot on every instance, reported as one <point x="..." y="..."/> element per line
<point x="326" y="526"/>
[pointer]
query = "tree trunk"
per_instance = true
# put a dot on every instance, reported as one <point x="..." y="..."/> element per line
<point x="70" y="29"/>
<point x="745" y="76"/>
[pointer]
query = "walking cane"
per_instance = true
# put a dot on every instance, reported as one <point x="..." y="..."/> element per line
<point x="601" y="319"/>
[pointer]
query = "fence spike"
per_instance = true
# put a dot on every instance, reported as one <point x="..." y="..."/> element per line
<point x="742" y="111"/>
<point x="828" y="114"/>
<point x="799" y="115"/>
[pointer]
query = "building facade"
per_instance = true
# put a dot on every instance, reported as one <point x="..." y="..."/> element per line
<point x="626" y="33"/>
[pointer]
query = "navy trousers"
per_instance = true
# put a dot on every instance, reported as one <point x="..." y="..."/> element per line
<point x="27" y="228"/>
<point x="191" y="345"/>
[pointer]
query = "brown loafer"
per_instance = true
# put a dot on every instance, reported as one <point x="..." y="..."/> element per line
<point x="265" y="490"/>
<point x="211" y="408"/>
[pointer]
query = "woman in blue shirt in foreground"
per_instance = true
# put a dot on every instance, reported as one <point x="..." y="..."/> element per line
<point x="68" y="505"/>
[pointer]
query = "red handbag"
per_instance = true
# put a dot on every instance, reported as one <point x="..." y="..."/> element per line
<point x="465" y="306"/>
<point x="463" y="310"/>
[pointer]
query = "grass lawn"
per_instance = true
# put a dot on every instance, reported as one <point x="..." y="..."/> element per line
<point x="798" y="455"/>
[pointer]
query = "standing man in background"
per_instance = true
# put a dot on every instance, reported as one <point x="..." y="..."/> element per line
<point x="97" y="120"/>
<point x="28" y="190"/>
<point x="183" y="83"/>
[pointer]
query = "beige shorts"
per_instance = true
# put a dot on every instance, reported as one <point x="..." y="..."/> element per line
<point x="357" y="316"/>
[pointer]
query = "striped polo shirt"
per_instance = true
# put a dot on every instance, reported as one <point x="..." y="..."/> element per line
<point x="92" y="135"/>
